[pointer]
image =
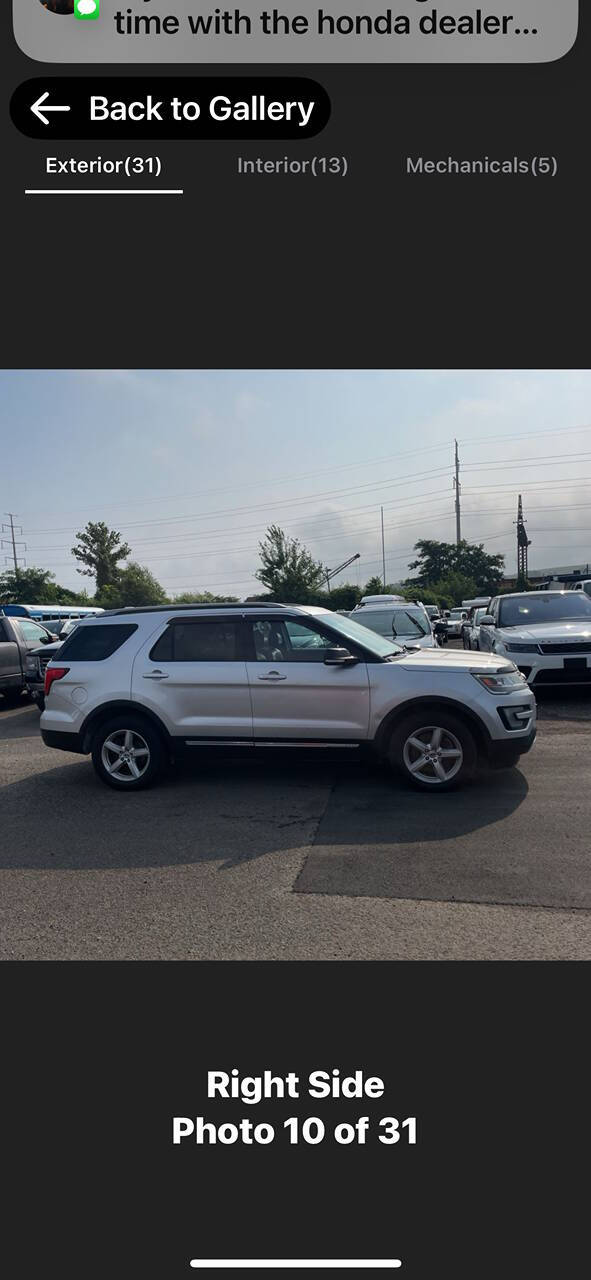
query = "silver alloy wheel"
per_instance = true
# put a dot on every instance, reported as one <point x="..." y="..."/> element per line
<point x="125" y="755"/>
<point x="433" y="754"/>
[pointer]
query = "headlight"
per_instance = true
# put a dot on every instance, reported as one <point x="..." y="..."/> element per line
<point x="522" y="648"/>
<point x="502" y="681"/>
<point x="31" y="664"/>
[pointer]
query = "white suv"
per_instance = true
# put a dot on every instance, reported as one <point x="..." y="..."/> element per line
<point x="137" y="687"/>
<point x="406" y="623"/>
<point x="546" y="633"/>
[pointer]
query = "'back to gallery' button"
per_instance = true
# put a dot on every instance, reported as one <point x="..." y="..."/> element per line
<point x="233" y="107"/>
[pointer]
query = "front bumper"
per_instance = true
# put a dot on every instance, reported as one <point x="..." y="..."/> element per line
<point x="547" y="669"/>
<point x="504" y="752"/>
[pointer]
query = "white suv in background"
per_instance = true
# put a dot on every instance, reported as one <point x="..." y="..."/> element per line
<point x="137" y="687"/>
<point x="546" y="633"/>
<point x="408" y="624"/>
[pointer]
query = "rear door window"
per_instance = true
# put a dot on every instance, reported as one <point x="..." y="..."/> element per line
<point x="211" y="640"/>
<point x="95" y="643"/>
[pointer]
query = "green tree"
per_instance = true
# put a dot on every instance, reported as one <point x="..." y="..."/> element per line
<point x="374" y="587"/>
<point x="135" y="585"/>
<point x="452" y="589"/>
<point x="202" y="597"/>
<point x="99" y="549"/>
<point x="442" y="561"/>
<point x="288" y="571"/>
<point x="30" y="586"/>
<point x="345" y="596"/>
<point x="36" y="586"/>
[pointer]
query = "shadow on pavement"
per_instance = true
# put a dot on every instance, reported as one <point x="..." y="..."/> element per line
<point x="230" y="811"/>
<point x="495" y="842"/>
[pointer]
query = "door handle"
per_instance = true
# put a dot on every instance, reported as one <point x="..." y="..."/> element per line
<point x="272" y="676"/>
<point x="156" y="675"/>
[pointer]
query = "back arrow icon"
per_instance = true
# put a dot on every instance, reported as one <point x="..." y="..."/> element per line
<point x="42" y="103"/>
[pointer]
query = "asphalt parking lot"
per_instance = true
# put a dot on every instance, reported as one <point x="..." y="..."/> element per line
<point x="252" y="859"/>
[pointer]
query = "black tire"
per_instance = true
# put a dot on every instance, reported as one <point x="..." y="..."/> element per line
<point x="422" y="726"/>
<point x="133" y="735"/>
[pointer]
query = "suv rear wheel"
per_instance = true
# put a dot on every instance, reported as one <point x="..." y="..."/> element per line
<point x="127" y="753"/>
<point x="434" y="750"/>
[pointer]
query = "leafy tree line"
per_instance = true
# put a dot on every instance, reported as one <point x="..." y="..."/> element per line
<point x="446" y="573"/>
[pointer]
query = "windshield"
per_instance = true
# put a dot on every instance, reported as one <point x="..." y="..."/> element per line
<point x="526" y="611"/>
<point x="351" y="630"/>
<point x="458" y="613"/>
<point x="397" y="622"/>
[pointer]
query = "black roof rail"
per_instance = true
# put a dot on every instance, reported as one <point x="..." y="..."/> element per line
<point x="176" y="608"/>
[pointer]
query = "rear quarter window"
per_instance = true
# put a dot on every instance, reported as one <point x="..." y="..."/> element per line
<point x="94" y="644"/>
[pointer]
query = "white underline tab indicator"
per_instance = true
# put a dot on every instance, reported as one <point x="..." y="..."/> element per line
<point x="103" y="191"/>
<point x="230" y="1264"/>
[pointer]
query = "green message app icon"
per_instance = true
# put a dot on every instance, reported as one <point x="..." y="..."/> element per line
<point x="86" y="10"/>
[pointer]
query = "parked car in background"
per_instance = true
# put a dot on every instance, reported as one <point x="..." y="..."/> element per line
<point x="440" y="630"/>
<point x="383" y="599"/>
<point x="471" y="627"/>
<point x="546" y="633"/>
<point x="455" y="618"/>
<point x="583" y="584"/>
<point x="137" y="688"/>
<point x="433" y="612"/>
<point x="19" y="638"/>
<point x="408" y="624"/>
<point x="40" y="658"/>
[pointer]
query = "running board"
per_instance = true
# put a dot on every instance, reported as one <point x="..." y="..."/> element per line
<point x="241" y="742"/>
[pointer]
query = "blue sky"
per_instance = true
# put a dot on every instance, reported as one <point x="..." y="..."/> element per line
<point x="192" y="466"/>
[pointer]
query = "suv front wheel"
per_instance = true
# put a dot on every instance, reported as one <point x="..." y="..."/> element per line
<point x="434" y="750"/>
<point x="127" y="753"/>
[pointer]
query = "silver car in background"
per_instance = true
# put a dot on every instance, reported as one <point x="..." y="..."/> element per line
<point x="408" y="624"/>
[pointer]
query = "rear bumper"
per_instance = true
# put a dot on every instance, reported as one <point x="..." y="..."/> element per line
<point x="63" y="741"/>
<point x="502" y="753"/>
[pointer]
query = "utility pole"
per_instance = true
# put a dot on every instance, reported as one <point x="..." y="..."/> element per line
<point x="458" y="490"/>
<point x="12" y="529"/>
<point x="523" y="542"/>
<point x="383" y="551"/>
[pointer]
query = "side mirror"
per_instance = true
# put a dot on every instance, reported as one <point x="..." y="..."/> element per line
<point x="338" y="657"/>
<point x="487" y="621"/>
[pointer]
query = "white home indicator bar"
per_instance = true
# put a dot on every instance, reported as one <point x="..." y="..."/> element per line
<point x="300" y="1263"/>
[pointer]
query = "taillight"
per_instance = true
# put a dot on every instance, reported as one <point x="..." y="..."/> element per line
<point x="54" y="673"/>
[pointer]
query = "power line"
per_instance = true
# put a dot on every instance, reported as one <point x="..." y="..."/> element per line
<point x="258" y="484"/>
<point x="528" y="435"/>
<point x="265" y="506"/>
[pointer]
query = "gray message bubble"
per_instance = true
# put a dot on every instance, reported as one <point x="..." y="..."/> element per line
<point x="132" y="31"/>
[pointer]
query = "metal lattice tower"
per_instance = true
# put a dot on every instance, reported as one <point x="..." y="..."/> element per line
<point x="523" y="542"/>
